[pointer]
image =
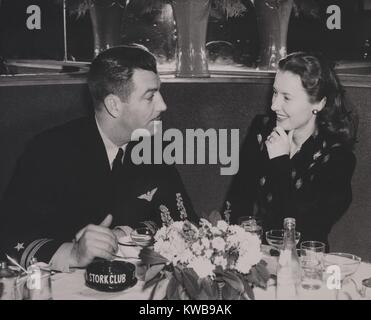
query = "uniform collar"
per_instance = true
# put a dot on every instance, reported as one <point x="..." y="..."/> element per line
<point x="111" y="148"/>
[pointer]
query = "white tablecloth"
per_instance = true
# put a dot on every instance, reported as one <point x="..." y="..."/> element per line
<point x="71" y="286"/>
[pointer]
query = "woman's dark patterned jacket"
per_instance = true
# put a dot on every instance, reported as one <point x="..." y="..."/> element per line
<point x="314" y="186"/>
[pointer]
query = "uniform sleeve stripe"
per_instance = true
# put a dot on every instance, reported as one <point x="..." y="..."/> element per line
<point x="35" y="249"/>
<point x="27" y="250"/>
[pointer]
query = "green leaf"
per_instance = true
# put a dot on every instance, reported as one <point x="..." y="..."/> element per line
<point x="152" y="282"/>
<point x="249" y="290"/>
<point x="256" y="279"/>
<point x="148" y="256"/>
<point x="210" y="287"/>
<point x="263" y="263"/>
<point x="229" y="293"/>
<point x="263" y="271"/>
<point x="158" y="279"/>
<point x="234" y="281"/>
<point x="249" y="293"/>
<point x="178" y="275"/>
<point x="204" y="296"/>
<point x="153" y="271"/>
<point x="191" y="285"/>
<point x="172" y="289"/>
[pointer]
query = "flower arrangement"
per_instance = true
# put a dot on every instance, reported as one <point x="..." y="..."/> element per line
<point x="209" y="261"/>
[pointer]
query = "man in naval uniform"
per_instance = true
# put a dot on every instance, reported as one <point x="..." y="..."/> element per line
<point x="75" y="183"/>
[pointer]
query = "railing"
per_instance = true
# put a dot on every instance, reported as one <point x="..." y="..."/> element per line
<point x="47" y="72"/>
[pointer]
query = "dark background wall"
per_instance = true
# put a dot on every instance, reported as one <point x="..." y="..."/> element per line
<point x="307" y="31"/>
<point x="27" y="110"/>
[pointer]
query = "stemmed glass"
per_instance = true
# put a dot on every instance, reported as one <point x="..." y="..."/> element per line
<point x="348" y="264"/>
<point x="275" y="238"/>
<point x="130" y="246"/>
<point x="251" y="224"/>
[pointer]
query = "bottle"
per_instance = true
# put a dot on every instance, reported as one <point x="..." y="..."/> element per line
<point x="288" y="268"/>
<point x="7" y="282"/>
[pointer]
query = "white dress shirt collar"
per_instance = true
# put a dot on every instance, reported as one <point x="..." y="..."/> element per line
<point x="111" y="148"/>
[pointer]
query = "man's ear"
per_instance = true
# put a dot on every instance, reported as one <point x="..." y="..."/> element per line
<point x="113" y="104"/>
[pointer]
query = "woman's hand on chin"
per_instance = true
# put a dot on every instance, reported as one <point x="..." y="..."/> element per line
<point x="278" y="143"/>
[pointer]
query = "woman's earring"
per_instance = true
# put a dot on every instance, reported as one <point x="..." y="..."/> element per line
<point x="315" y="111"/>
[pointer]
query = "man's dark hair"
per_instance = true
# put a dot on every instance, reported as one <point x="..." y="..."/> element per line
<point x="111" y="71"/>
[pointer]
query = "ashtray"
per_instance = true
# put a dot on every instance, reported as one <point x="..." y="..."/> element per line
<point x="110" y="276"/>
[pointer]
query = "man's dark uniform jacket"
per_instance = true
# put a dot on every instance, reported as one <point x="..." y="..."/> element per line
<point x="64" y="182"/>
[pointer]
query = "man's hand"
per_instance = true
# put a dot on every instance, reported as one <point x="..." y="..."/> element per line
<point x="278" y="143"/>
<point x="93" y="241"/>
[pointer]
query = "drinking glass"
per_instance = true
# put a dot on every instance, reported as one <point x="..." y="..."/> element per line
<point x="251" y="224"/>
<point x="142" y="236"/>
<point x="34" y="286"/>
<point x="312" y="271"/>
<point x="275" y="238"/>
<point x="313" y="250"/>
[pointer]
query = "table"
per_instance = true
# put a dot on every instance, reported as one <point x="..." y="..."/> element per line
<point x="71" y="286"/>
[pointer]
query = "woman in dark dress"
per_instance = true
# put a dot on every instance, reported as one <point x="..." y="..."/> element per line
<point x="298" y="162"/>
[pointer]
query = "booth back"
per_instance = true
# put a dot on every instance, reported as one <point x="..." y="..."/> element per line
<point x="28" y="110"/>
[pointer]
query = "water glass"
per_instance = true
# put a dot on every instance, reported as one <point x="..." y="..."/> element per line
<point x="142" y="236"/>
<point x="251" y="224"/>
<point x="34" y="286"/>
<point x="313" y="250"/>
<point x="312" y="273"/>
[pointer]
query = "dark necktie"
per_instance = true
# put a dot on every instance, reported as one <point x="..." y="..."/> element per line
<point x="116" y="176"/>
<point x="117" y="163"/>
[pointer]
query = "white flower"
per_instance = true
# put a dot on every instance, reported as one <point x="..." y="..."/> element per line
<point x="250" y="244"/>
<point x="245" y="262"/>
<point x="205" y="223"/>
<point x="222" y="225"/>
<point x="234" y="229"/>
<point x="208" y="253"/>
<point x="173" y="246"/>
<point x="163" y="248"/>
<point x="186" y="257"/>
<point x="161" y="233"/>
<point x="205" y="242"/>
<point x="243" y="265"/>
<point x="218" y="243"/>
<point x="215" y="231"/>
<point x="220" y="261"/>
<point x="159" y="244"/>
<point x="202" y="266"/>
<point x="177" y="225"/>
<point x="197" y="248"/>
